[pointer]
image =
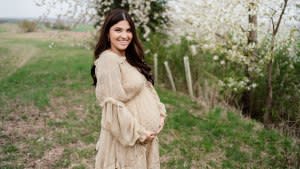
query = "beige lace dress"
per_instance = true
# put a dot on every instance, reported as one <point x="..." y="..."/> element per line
<point x="130" y="107"/>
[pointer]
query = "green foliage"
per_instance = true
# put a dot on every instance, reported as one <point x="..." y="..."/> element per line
<point x="28" y="26"/>
<point x="173" y="54"/>
<point x="204" y="71"/>
<point x="207" y="71"/>
<point x="286" y="88"/>
<point x="286" y="91"/>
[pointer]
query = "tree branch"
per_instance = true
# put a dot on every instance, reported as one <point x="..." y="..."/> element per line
<point x="273" y="24"/>
<point x="280" y="17"/>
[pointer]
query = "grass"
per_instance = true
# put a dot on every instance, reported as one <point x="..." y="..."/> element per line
<point x="221" y="139"/>
<point x="50" y="119"/>
<point x="2" y="30"/>
<point x="83" y="28"/>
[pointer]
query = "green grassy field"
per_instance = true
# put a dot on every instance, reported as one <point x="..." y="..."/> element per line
<point x="50" y="119"/>
<point x="83" y="28"/>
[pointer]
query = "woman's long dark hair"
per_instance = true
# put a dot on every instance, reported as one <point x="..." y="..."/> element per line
<point x="134" y="52"/>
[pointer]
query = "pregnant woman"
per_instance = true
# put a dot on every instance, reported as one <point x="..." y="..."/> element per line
<point x="132" y="114"/>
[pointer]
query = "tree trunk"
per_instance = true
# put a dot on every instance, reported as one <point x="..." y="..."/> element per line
<point x="267" y="117"/>
<point x="247" y="96"/>
<point x="269" y="100"/>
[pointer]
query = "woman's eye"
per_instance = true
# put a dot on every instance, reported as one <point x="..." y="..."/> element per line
<point x="128" y="30"/>
<point x="118" y="30"/>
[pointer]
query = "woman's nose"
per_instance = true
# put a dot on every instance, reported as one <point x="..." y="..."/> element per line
<point x="124" y="34"/>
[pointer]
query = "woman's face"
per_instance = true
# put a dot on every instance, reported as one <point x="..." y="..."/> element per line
<point x="120" y="36"/>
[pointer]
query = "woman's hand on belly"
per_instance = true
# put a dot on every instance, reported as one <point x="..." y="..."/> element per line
<point x="150" y="136"/>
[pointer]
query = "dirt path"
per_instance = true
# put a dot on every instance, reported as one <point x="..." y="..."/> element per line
<point x="18" y="55"/>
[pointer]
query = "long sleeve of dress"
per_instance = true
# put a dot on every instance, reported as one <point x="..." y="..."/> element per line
<point x="116" y="118"/>
<point x="162" y="107"/>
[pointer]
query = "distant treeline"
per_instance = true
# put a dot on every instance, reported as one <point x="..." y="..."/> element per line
<point x="15" y="20"/>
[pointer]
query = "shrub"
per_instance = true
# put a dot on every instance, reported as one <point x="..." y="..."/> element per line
<point x="60" y="25"/>
<point x="28" y="26"/>
<point x="47" y="24"/>
<point x="207" y="70"/>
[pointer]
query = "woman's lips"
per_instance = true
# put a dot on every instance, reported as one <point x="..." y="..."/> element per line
<point x="124" y="42"/>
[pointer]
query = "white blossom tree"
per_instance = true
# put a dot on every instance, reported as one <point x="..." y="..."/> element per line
<point x="235" y="30"/>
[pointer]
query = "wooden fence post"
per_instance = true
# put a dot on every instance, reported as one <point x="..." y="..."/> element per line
<point x="155" y="68"/>
<point x="170" y="76"/>
<point x="188" y="75"/>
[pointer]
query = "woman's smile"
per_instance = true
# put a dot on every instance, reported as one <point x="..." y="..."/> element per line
<point x="120" y="37"/>
<point x="124" y="42"/>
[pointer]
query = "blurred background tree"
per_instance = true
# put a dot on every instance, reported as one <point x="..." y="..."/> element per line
<point x="148" y="15"/>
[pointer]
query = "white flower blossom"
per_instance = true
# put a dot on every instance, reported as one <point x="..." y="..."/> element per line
<point x="215" y="57"/>
<point x="253" y="85"/>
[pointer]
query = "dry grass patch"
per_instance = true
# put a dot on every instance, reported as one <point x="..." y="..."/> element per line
<point x="49" y="159"/>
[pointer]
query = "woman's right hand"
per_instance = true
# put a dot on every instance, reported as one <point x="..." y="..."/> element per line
<point x="150" y="136"/>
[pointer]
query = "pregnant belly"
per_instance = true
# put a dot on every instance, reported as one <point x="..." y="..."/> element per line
<point x="147" y="110"/>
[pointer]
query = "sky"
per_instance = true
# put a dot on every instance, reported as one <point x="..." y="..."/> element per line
<point x="20" y="9"/>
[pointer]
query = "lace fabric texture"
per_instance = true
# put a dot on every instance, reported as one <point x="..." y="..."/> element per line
<point x="130" y="108"/>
